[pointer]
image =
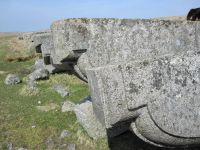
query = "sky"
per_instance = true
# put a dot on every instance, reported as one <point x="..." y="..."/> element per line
<point x="33" y="15"/>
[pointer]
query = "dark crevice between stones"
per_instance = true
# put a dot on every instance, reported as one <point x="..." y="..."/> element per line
<point x="38" y="48"/>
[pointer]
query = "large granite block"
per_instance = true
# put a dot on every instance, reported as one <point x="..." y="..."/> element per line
<point x="161" y="96"/>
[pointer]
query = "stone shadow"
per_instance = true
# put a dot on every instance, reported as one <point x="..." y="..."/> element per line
<point x="129" y="141"/>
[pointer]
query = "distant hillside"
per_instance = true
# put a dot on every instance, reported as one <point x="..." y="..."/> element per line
<point x="174" y="18"/>
<point x="9" y="33"/>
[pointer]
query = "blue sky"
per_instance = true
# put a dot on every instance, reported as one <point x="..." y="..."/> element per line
<point x="31" y="15"/>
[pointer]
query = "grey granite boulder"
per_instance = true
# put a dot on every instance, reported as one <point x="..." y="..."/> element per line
<point x="10" y="146"/>
<point x="86" y="117"/>
<point x="27" y="38"/>
<point x="94" y="38"/>
<point x="39" y="74"/>
<point x="161" y="94"/>
<point x="71" y="40"/>
<point x="12" y="79"/>
<point x="39" y="64"/>
<point x="68" y="106"/>
<point x="43" y="43"/>
<point x="143" y="75"/>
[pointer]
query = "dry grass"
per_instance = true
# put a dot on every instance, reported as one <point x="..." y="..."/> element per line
<point x="18" y="50"/>
<point x="29" y="91"/>
<point x="18" y="45"/>
<point x="172" y="18"/>
<point x="19" y="57"/>
<point x="4" y="34"/>
<point x="3" y="72"/>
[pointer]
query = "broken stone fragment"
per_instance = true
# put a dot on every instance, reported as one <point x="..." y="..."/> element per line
<point x="61" y="90"/>
<point x="86" y="117"/>
<point x="68" y="106"/>
<point x="38" y="74"/>
<point x="12" y="79"/>
<point x="10" y="146"/>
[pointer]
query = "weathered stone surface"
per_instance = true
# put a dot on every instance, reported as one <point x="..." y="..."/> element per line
<point x="12" y="79"/>
<point x="70" y="42"/>
<point x="161" y="94"/>
<point x="139" y="39"/>
<point x="43" y="43"/>
<point x="61" y="90"/>
<point x="71" y="38"/>
<point x="27" y="37"/>
<point x="68" y="106"/>
<point x="133" y="81"/>
<point x="131" y="39"/>
<point x="39" y="64"/>
<point x="38" y="74"/>
<point x="10" y="146"/>
<point x="86" y="117"/>
<point x="50" y="68"/>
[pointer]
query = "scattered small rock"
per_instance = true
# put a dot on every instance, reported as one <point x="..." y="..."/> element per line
<point x="86" y="117"/>
<point x="10" y="146"/>
<point x="39" y="102"/>
<point x="71" y="147"/>
<point x="61" y="90"/>
<point x="33" y="126"/>
<point x="39" y="64"/>
<point x="12" y="79"/>
<point x="68" y="106"/>
<point x="48" y="107"/>
<point x="64" y="134"/>
<point x="38" y="74"/>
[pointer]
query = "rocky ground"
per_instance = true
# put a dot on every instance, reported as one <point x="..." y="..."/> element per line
<point x="35" y="113"/>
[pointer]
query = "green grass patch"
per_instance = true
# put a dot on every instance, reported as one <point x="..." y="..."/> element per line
<point x="23" y="125"/>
